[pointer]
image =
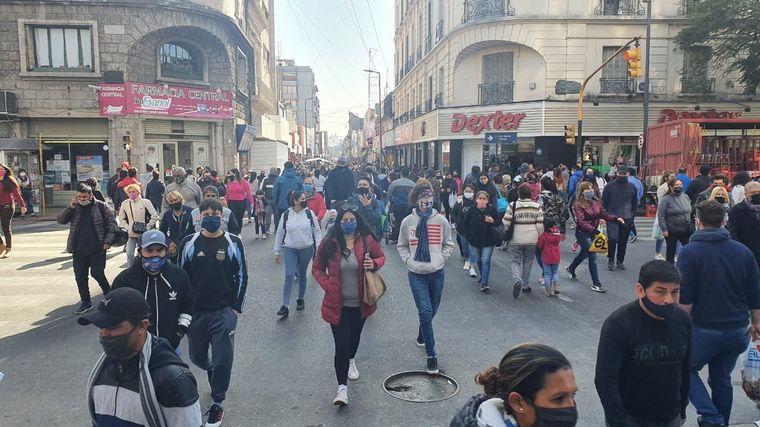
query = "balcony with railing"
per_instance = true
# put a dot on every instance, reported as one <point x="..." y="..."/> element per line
<point x="438" y="100"/>
<point x="616" y="85"/>
<point x="687" y="6"/>
<point x="698" y="85"/>
<point x="496" y="93"/>
<point x="428" y="105"/>
<point x="439" y="31"/>
<point x="620" y="8"/>
<point x="428" y="43"/>
<point x="477" y="10"/>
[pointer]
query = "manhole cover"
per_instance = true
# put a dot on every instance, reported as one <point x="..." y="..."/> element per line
<point x="419" y="386"/>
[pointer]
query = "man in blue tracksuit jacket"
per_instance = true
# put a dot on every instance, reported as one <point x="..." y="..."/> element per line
<point x="285" y="183"/>
<point x="215" y="262"/>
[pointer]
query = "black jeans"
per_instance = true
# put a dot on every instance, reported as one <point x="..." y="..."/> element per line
<point x="676" y="422"/>
<point x="6" y="215"/>
<point x="399" y="213"/>
<point x="619" y="242"/>
<point x="346" y="335"/>
<point x="672" y="241"/>
<point x="90" y="264"/>
<point x="238" y="209"/>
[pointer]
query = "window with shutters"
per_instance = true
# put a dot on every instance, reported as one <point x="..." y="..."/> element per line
<point x="498" y="83"/>
<point x="61" y="48"/>
<point x="615" y="74"/>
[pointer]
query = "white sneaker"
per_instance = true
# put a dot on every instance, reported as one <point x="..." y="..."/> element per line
<point x="342" y="398"/>
<point x="353" y="373"/>
<point x="472" y="272"/>
<point x="466" y="265"/>
<point x="659" y="256"/>
<point x="541" y="281"/>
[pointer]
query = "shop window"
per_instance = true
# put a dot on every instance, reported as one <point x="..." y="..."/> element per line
<point x="615" y="74"/>
<point x="181" y="61"/>
<point x="61" y="48"/>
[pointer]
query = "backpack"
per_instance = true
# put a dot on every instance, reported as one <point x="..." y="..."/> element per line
<point x="285" y="226"/>
<point x="400" y="199"/>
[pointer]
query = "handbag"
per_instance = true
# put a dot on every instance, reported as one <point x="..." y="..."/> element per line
<point x="137" y="227"/>
<point x="510" y="231"/>
<point x="374" y="283"/>
<point x="501" y="204"/>
<point x="599" y="244"/>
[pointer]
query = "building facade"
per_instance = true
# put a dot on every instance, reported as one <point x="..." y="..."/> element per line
<point x="298" y="91"/>
<point x="469" y="70"/>
<point x="151" y="82"/>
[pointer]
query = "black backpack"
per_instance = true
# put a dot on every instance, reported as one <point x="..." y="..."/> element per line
<point x="285" y="223"/>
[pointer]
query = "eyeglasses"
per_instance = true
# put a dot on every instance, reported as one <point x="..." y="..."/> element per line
<point x="348" y="207"/>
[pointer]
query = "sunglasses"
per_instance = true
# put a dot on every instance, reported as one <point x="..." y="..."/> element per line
<point x="347" y="207"/>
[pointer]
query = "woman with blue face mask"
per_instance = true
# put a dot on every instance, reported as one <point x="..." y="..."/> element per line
<point x="346" y="252"/>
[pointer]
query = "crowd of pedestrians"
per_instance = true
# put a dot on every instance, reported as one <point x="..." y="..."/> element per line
<point x="187" y="275"/>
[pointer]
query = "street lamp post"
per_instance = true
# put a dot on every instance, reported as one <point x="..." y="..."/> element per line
<point x="380" y="102"/>
<point x="646" y="84"/>
<point x="306" y="119"/>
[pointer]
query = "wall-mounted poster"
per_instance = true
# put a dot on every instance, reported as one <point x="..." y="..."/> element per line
<point x="89" y="166"/>
<point x="151" y="154"/>
<point x="200" y="153"/>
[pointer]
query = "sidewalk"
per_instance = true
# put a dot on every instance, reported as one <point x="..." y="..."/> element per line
<point x="30" y="223"/>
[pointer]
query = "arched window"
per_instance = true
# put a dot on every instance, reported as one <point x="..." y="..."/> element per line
<point x="180" y="61"/>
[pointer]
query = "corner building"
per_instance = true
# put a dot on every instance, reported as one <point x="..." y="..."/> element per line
<point x="465" y="69"/>
<point x="154" y="82"/>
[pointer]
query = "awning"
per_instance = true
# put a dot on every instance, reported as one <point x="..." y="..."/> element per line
<point x="20" y="144"/>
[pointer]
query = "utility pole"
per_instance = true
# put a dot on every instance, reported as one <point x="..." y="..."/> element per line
<point x="646" y="83"/>
<point x="380" y="103"/>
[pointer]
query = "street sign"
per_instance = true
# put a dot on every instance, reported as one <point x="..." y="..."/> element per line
<point x="501" y="138"/>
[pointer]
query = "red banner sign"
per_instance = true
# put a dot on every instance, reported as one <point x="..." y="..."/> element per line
<point x="164" y="100"/>
<point x="494" y="121"/>
<point x="669" y="115"/>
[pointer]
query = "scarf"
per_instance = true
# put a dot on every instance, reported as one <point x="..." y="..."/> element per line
<point x="423" y="250"/>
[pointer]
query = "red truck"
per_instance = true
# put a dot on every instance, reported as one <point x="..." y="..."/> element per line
<point x="727" y="145"/>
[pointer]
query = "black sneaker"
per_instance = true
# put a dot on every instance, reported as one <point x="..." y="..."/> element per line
<point x="526" y="289"/>
<point x="299" y="305"/>
<point x="485" y="289"/>
<point x="571" y="273"/>
<point x="420" y="341"/>
<point x="633" y="238"/>
<point x="283" y="312"/>
<point x="597" y="287"/>
<point x="84" y="307"/>
<point x="611" y="265"/>
<point x="215" y="415"/>
<point x="432" y="365"/>
<point x="620" y="266"/>
<point x="516" y="289"/>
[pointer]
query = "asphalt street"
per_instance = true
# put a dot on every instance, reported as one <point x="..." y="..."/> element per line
<point x="283" y="373"/>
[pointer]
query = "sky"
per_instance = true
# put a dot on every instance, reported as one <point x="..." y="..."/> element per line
<point x="333" y="38"/>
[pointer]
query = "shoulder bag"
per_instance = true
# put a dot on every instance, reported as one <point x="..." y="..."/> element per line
<point x="137" y="227"/>
<point x="374" y="283"/>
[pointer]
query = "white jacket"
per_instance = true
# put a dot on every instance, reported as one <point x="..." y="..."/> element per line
<point x="135" y="211"/>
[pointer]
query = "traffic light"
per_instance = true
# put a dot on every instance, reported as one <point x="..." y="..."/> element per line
<point x="570" y="134"/>
<point x="633" y="58"/>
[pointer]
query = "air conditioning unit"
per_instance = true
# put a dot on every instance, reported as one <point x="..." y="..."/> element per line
<point x="640" y="86"/>
<point x="8" y="106"/>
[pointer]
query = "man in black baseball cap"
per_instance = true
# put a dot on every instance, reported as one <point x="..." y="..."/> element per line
<point x="118" y="383"/>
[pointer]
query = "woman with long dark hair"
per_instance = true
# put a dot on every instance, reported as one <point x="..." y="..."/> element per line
<point x="238" y="192"/>
<point x="344" y="255"/>
<point x="27" y="191"/>
<point x="298" y="236"/>
<point x="533" y="386"/>
<point x="10" y="194"/>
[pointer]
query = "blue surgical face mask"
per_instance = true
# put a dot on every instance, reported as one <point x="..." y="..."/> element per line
<point x="588" y="195"/>
<point x="153" y="264"/>
<point x="308" y="188"/>
<point x="348" y="227"/>
<point x="211" y="223"/>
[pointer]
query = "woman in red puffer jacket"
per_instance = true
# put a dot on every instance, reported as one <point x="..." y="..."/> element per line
<point x="344" y="255"/>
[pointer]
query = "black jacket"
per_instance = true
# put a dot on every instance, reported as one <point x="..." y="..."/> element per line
<point x="169" y="296"/>
<point x="467" y="416"/>
<point x="457" y="214"/>
<point x="268" y="185"/>
<point x="339" y="185"/>
<point x="478" y="232"/>
<point x="154" y="192"/>
<point x="698" y="185"/>
<point x="744" y="224"/>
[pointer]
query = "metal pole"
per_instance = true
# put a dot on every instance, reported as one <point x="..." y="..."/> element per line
<point x="42" y="177"/>
<point x="646" y="82"/>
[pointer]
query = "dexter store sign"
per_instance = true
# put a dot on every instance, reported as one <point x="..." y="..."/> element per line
<point x="164" y="100"/>
<point x="477" y="123"/>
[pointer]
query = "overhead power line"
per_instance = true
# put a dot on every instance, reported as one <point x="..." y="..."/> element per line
<point x="377" y="37"/>
<point x="355" y="20"/>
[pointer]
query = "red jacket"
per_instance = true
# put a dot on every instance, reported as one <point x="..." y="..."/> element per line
<point x="548" y="243"/>
<point x="127" y="181"/>
<point x="7" y="197"/>
<point x="316" y="204"/>
<point x="328" y="277"/>
<point x="588" y="218"/>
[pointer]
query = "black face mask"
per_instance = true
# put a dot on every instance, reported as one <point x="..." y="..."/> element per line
<point x="721" y="200"/>
<point x="556" y="417"/>
<point x="677" y="190"/>
<point x="755" y="199"/>
<point x="303" y="204"/>
<point x="664" y="311"/>
<point x="117" y="347"/>
<point x="176" y="206"/>
<point x="362" y="191"/>
<point x="622" y="179"/>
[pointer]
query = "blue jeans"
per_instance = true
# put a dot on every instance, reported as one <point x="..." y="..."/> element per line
<point x="296" y="259"/>
<point x="551" y="274"/>
<point x="719" y="350"/>
<point x="483" y="257"/>
<point x="468" y="253"/>
<point x="584" y="240"/>
<point x="427" y="290"/>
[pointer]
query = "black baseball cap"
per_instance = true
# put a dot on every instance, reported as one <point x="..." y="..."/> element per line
<point x="117" y="306"/>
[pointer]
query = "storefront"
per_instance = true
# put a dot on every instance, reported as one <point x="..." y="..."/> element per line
<point x="23" y="153"/>
<point x="170" y="143"/>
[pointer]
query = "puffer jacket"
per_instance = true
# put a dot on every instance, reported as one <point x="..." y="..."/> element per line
<point x="468" y="415"/>
<point x="588" y="218"/>
<point x="328" y="277"/>
<point x="528" y="219"/>
<point x="105" y="223"/>
<point x="674" y="212"/>
<point x="481" y="410"/>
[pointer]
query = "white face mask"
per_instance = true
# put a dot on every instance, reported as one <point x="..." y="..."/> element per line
<point x="469" y="195"/>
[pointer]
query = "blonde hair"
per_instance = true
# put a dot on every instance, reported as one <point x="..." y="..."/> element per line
<point x="719" y="191"/>
<point x="581" y="188"/>
<point x="175" y="195"/>
<point x="132" y="187"/>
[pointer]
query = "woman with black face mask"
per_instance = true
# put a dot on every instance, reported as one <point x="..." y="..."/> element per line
<point x="674" y="218"/>
<point x="533" y="386"/>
